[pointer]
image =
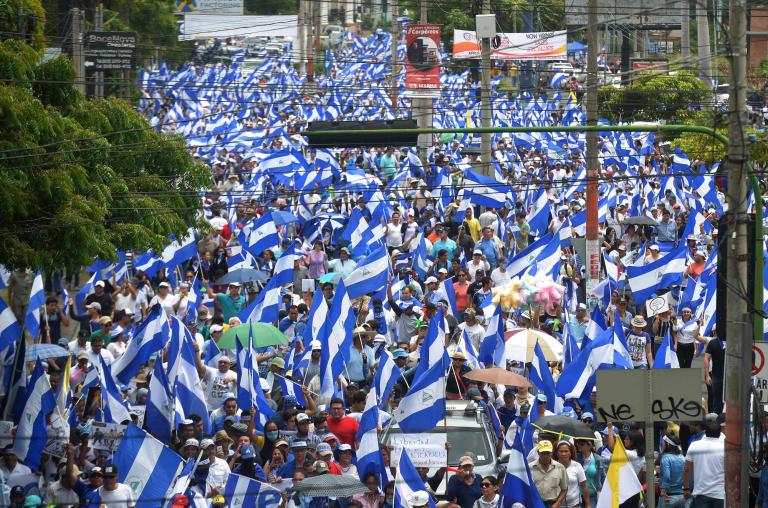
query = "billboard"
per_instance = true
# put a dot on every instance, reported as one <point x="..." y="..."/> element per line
<point x="107" y="51"/>
<point x="513" y="46"/>
<point x="232" y="7"/>
<point x="625" y="12"/>
<point x="422" y="59"/>
<point x="223" y="26"/>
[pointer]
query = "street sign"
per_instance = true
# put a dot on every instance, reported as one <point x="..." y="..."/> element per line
<point x="675" y="395"/>
<point x="107" y="51"/>
<point x="760" y="370"/>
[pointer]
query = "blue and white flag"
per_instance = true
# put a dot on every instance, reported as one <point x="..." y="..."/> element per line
<point x="493" y="347"/>
<point x="542" y="377"/>
<point x="180" y="251"/>
<point x="446" y="292"/>
<point x="113" y="407"/>
<point x="623" y="358"/>
<point x="316" y="319"/>
<point x="387" y="374"/>
<point x="558" y="80"/>
<point x="183" y="378"/>
<point x="159" y="413"/>
<point x="423" y="407"/>
<point x="36" y="301"/>
<point x="666" y="357"/>
<point x="31" y="433"/>
<point x="336" y="338"/>
<point x="433" y="350"/>
<point x="484" y="191"/>
<point x="599" y="354"/>
<point x="465" y="346"/>
<point x="421" y="258"/>
<point x="518" y="488"/>
<point x="369" y="457"/>
<point x="147" y="466"/>
<point x="149" y="338"/>
<point x="242" y="492"/>
<point x="357" y="232"/>
<point x="265" y="308"/>
<point x="664" y="272"/>
<point x="291" y="389"/>
<point x="247" y="373"/>
<point x="10" y="330"/>
<point x="407" y="482"/>
<point x="527" y="257"/>
<point x="370" y="274"/>
<point x="263" y="236"/>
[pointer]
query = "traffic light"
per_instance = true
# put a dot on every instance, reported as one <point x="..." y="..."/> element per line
<point x="386" y="134"/>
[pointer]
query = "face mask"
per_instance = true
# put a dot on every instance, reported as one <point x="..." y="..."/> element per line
<point x="272" y="435"/>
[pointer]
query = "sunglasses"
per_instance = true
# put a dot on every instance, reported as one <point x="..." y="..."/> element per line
<point x="485" y="485"/>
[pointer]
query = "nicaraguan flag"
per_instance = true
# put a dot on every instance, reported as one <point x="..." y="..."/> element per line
<point x="146" y="465"/>
<point x="182" y="375"/>
<point x="484" y="191"/>
<point x="242" y="492"/>
<point x="421" y="258"/>
<point x="466" y="347"/>
<point x="407" y="482"/>
<point x="518" y="488"/>
<point x="336" y="338"/>
<point x="265" y="308"/>
<point x="557" y="81"/>
<point x="369" y="458"/>
<point x="620" y="347"/>
<point x="10" y="331"/>
<point x="357" y="232"/>
<point x="433" y="349"/>
<point x="263" y="236"/>
<point x="159" y="413"/>
<point x="247" y="374"/>
<point x="664" y="272"/>
<point x="387" y="374"/>
<point x="370" y="275"/>
<point x="542" y="377"/>
<point x="293" y="390"/>
<point x="36" y="300"/>
<point x="113" y="407"/>
<point x="31" y="433"/>
<point x="493" y="347"/>
<point x="423" y="407"/>
<point x="599" y="354"/>
<point x="316" y="319"/>
<point x="150" y="337"/>
<point x="666" y="357"/>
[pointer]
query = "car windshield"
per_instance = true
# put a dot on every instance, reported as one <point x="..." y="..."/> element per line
<point x="464" y="441"/>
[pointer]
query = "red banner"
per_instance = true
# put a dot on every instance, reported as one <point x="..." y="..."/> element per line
<point x="422" y="57"/>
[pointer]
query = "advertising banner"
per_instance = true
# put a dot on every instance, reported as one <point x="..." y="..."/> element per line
<point x="513" y="46"/>
<point x="422" y="59"/>
<point x="234" y="7"/>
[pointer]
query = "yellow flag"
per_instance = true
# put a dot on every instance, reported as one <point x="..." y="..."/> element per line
<point x="621" y="482"/>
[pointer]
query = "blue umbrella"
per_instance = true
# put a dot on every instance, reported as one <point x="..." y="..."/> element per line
<point x="44" y="351"/>
<point x="281" y="218"/>
<point x="243" y="275"/>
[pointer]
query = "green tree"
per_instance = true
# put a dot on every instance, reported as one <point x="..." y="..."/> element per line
<point x="33" y="19"/>
<point x="81" y="178"/>
<point x="653" y="98"/>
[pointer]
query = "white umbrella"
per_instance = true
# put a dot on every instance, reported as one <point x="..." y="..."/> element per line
<point x="520" y="343"/>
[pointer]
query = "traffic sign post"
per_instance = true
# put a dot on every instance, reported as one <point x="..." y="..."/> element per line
<point x="760" y="370"/>
<point x="107" y="51"/>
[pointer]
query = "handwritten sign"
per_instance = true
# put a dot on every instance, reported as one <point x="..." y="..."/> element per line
<point x="675" y="395"/>
<point x="658" y="304"/>
<point x="424" y="450"/>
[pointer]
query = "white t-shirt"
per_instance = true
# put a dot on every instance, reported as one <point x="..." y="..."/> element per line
<point x="181" y="313"/>
<point x="394" y="235"/>
<point x="166" y="303"/>
<point x="117" y="348"/>
<point x="121" y="497"/>
<point x="708" y="458"/>
<point x="499" y="278"/>
<point x="575" y="477"/>
<point x="216" y="385"/>
<point x="123" y="302"/>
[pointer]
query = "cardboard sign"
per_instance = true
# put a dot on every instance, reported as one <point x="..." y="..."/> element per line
<point x="675" y="395"/>
<point x="307" y="285"/>
<point x="422" y="59"/>
<point x="106" y="436"/>
<point x="658" y="304"/>
<point x="424" y="450"/>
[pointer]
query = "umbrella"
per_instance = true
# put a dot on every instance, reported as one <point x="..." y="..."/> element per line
<point x="330" y="485"/>
<point x="520" y="343"/>
<point x="332" y="277"/>
<point x="243" y="275"/>
<point x="640" y="220"/>
<point x="564" y="426"/>
<point x="264" y="335"/>
<point x="44" y="351"/>
<point x="497" y="376"/>
<point x="281" y="218"/>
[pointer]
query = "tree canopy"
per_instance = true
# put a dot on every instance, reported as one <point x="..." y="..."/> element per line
<point x="81" y="178"/>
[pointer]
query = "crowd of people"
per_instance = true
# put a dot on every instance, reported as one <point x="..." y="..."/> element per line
<point x="447" y="253"/>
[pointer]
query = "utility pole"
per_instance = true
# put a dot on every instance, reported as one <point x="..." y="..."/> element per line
<point x="485" y="97"/>
<point x="738" y="332"/>
<point x="593" y="163"/>
<point x="98" y="88"/>
<point x="78" y="61"/>
<point x="309" y="14"/>
<point x="302" y="38"/>
<point x="514" y="17"/>
<point x="702" y="36"/>
<point x="395" y="39"/>
<point x="423" y="105"/>
<point x="685" y="33"/>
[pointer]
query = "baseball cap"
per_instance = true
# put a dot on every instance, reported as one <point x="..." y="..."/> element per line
<point x="99" y="284"/>
<point x="192" y="442"/>
<point x="216" y="328"/>
<point x="224" y="358"/>
<point x="419" y="498"/>
<point x="302" y="417"/>
<point x="587" y="415"/>
<point x="345" y="448"/>
<point x="654" y="247"/>
<point x="16" y="491"/>
<point x="542" y="397"/>
<point x="205" y="443"/>
<point x="110" y="470"/>
<point x="324" y="449"/>
<point x="399" y="353"/>
<point x="247" y="452"/>
<point x="315" y="345"/>
<point x="164" y="285"/>
<point x="278" y="362"/>
<point x="299" y="444"/>
<point x="320" y="467"/>
<point x="466" y="459"/>
<point x="32" y="500"/>
<point x="93" y="305"/>
<point x="431" y="280"/>
<point x="63" y="341"/>
<point x="235" y="284"/>
<point x="544" y="446"/>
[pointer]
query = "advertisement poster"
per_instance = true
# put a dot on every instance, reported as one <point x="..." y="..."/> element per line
<point x="422" y="69"/>
<point x="513" y="46"/>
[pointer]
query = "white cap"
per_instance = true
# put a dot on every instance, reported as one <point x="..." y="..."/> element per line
<point x="93" y="305"/>
<point x="654" y="247"/>
<point x="700" y="253"/>
<point x="442" y="270"/>
<point x="99" y="284"/>
<point x="192" y="442"/>
<point x="379" y="338"/>
<point x="315" y="345"/>
<point x="430" y="280"/>
<point x="418" y="498"/>
<point x="216" y="328"/>
<point x="164" y="285"/>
